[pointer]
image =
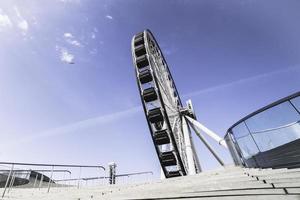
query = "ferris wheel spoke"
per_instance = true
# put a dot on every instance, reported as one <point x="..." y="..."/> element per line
<point x="168" y="97"/>
<point x="162" y="78"/>
<point x="159" y="76"/>
<point x="172" y="110"/>
<point x="174" y="123"/>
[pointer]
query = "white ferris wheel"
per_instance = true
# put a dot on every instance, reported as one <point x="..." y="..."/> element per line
<point x="168" y="119"/>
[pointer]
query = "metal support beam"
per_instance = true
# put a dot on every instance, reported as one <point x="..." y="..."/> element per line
<point x="41" y="181"/>
<point x="190" y="106"/>
<point x="162" y="174"/>
<point x="112" y="173"/>
<point x="79" y="176"/>
<point x="209" y="132"/>
<point x="36" y="176"/>
<point x="49" y="184"/>
<point x="207" y="144"/>
<point x="7" y="180"/>
<point x="196" y="159"/>
<point x="188" y="148"/>
<point x="11" y="182"/>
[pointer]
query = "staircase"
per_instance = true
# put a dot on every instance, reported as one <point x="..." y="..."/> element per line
<point x="226" y="183"/>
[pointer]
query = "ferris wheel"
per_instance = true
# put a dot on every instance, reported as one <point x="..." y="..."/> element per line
<point x="167" y="118"/>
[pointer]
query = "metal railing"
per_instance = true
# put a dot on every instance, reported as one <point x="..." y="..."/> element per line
<point x="260" y="133"/>
<point x="86" y="179"/>
<point x="12" y="172"/>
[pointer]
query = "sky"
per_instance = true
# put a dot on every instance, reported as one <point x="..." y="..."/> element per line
<point x="68" y="92"/>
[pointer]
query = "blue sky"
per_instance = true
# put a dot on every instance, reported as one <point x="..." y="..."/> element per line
<point x="230" y="58"/>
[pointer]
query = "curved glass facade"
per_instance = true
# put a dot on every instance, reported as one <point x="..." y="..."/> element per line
<point x="268" y="134"/>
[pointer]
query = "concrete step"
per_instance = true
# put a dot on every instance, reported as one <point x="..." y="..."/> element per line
<point x="231" y="192"/>
<point x="283" y="180"/>
<point x="199" y="194"/>
<point x="275" y="171"/>
<point x="280" y="176"/>
<point x="254" y="197"/>
<point x="293" y="191"/>
<point x="287" y="184"/>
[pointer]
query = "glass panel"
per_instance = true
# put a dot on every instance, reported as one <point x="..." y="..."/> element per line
<point x="276" y="137"/>
<point x="296" y="102"/>
<point x="240" y="130"/>
<point x="280" y="115"/>
<point x="247" y="146"/>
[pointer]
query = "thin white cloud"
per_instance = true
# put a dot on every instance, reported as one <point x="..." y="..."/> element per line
<point x="70" y="39"/>
<point x="93" y="35"/>
<point x="5" y="21"/>
<point x="113" y="117"/>
<point x="69" y="1"/>
<point x="57" y="48"/>
<point x="74" y="42"/>
<point x="241" y="81"/>
<point x="109" y="17"/>
<point x="18" y="12"/>
<point x="93" y="51"/>
<point x="68" y="35"/>
<point x="169" y="50"/>
<point x="79" y="125"/>
<point x="34" y="20"/>
<point x="23" y="25"/>
<point x="66" y="56"/>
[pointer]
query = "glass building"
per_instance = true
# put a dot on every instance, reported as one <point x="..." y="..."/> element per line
<point x="268" y="137"/>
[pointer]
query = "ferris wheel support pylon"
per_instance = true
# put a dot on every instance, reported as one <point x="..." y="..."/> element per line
<point x="196" y="158"/>
<point x="191" y="110"/>
<point x="209" y="132"/>
<point x="188" y="148"/>
<point x="206" y="143"/>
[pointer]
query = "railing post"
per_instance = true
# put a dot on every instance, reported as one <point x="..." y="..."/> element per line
<point x="35" y="179"/>
<point x="41" y="181"/>
<point x="79" y="177"/>
<point x="8" y="177"/>
<point x="69" y="182"/>
<point x="11" y="182"/>
<point x="63" y="183"/>
<point x="49" y="184"/>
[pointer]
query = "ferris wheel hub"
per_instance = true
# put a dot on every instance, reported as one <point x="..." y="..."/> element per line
<point x="187" y="112"/>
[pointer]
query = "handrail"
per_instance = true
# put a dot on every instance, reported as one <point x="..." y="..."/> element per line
<point x="40" y="170"/>
<point x="276" y="128"/>
<point x="103" y="177"/>
<point x="136" y="173"/>
<point x="85" y="179"/>
<point x="285" y="99"/>
<point x="53" y="165"/>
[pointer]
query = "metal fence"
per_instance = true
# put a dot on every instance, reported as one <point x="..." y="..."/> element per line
<point x="44" y="176"/>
